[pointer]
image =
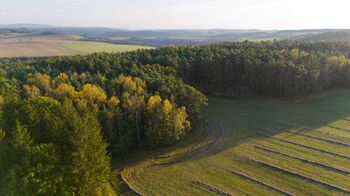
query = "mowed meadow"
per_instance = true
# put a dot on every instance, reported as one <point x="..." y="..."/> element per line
<point x="57" y="45"/>
<point x="256" y="147"/>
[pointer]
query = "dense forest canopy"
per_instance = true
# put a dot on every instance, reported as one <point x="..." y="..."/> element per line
<point x="282" y="69"/>
<point x="62" y="118"/>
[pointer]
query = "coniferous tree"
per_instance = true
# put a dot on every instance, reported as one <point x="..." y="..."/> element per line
<point x="90" y="162"/>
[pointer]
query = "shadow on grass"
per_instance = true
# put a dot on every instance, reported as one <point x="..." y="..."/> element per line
<point x="233" y="122"/>
<point x="240" y="121"/>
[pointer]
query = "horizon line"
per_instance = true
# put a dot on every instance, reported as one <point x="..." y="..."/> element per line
<point x="159" y="29"/>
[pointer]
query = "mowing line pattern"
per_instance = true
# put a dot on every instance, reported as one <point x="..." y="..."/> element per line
<point x="301" y="151"/>
<point x="303" y="160"/>
<point x="245" y="176"/>
<point x="331" y="186"/>
<point x="338" y="128"/>
<point x="312" y="148"/>
<point x="331" y="135"/>
<point x="210" y="188"/>
<point x="320" y="139"/>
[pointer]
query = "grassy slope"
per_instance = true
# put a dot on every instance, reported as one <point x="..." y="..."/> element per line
<point x="242" y="124"/>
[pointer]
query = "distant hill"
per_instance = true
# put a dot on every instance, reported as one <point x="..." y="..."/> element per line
<point x="329" y="36"/>
<point x="159" y="37"/>
<point x="28" y="26"/>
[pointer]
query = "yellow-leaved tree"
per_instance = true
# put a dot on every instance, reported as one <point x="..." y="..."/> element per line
<point x="132" y="99"/>
<point x="166" y="122"/>
<point x="91" y="96"/>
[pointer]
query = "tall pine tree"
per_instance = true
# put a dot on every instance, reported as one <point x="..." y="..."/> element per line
<point x="90" y="163"/>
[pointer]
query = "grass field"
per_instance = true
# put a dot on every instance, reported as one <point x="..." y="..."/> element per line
<point x="56" y="45"/>
<point x="257" y="147"/>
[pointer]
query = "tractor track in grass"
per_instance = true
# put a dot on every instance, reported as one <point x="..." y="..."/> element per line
<point x="275" y="188"/>
<point x="311" y="179"/>
<point x="210" y="188"/>
<point x="318" y="138"/>
<point x="338" y="128"/>
<point x="308" y="147"/>
<point x="332" y="135"/>
<point x="303" y="160"/>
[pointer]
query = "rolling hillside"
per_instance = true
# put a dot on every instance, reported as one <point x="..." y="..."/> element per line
<point x="164" y="37"/>
<point x="257" y="148"/>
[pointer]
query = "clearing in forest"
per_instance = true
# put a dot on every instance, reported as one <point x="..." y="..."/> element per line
<point x="257" y="147"/>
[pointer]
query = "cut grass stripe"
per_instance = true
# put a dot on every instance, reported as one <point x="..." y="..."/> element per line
<point x="317" y="138"/>
<point x="257" y="181"/>
<point x="303" y="160"/>
<point x="338" y="128"/>
<point x="331" y="186"/>
<point x="332" y="135"/>
<point x="309" y="147"/>
<point x="211" y="188"/>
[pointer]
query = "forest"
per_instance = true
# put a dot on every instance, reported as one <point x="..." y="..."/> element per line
<point x="63" y="119"/>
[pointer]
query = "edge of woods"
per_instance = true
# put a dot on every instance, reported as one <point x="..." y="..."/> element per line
<point x="195" y="145"/>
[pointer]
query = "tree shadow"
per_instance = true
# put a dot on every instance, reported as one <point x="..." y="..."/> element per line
<point x="234" y="122"/>
<point x="230" y="123"/>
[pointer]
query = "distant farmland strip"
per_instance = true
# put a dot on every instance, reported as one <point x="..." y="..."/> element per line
<point x="309" y="147"/>
<point x="331" y="186"/>
<point x="320" y="139"/>
<point x="303" y="160"/>
<point x="211" y="188"/>
<point x="257" y="181"/>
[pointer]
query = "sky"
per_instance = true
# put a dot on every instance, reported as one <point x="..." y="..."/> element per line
<point x="180" y="14"/>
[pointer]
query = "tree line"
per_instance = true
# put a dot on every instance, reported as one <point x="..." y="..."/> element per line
<point x="62" y="119"/>
<point x="280" y="69"/>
